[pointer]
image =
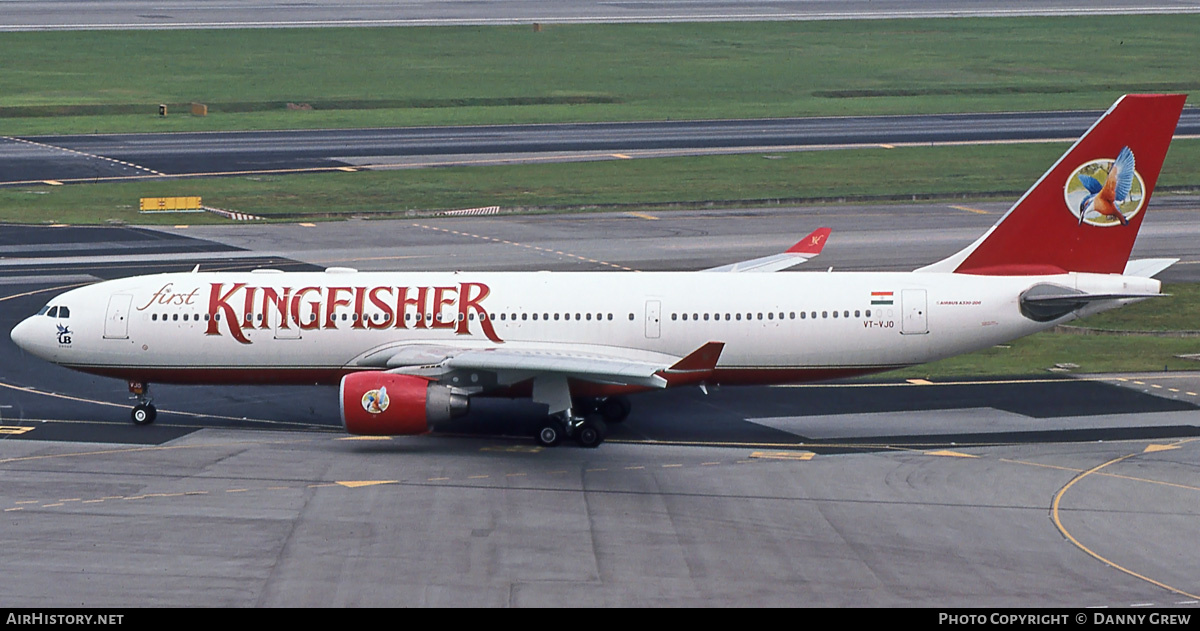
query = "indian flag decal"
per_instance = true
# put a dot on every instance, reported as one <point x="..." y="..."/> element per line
<point x="881" y="298"/>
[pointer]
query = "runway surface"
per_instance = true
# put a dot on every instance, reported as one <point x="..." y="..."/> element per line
<point x="90" y="158"/>
<point x="145" y="14"/>
<point x="1022" y="492"/>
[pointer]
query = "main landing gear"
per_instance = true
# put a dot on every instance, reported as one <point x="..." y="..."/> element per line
<point x="588" y="430"/>
<point x="144" y="412"/>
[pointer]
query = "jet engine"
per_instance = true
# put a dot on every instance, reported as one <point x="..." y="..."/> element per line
<point x="384" y="404"/>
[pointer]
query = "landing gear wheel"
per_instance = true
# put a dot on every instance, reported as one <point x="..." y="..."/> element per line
<point x="143" y="414"/>
<point x="615" y="409"/>
<point x="550" y="433"/>
<point x="592" y="432"/>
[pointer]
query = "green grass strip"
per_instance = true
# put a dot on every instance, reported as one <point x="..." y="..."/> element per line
<point x="875" y="173"/>
<point x="59" y="82"/>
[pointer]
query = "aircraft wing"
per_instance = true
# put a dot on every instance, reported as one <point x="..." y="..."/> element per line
<point x="512" y="365"/>
<point x="805" y="249"/>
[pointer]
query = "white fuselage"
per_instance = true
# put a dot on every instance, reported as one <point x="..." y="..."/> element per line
<point x="271" y="327"/>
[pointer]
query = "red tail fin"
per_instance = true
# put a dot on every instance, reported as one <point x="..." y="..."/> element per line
<point x="1083" y="215"/>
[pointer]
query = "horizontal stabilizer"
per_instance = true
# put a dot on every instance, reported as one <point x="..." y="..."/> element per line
<point x="803" y="250"/>
<point x="1148" y="268"/>
<point x="1046" y="302"/>
<point x="1083" y="298"/>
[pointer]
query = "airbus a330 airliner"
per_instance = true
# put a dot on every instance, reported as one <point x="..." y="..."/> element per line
<point x="409" y="350"/>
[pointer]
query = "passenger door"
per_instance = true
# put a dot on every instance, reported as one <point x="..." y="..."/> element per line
<point x="653" y="315"/>
<point x="116" y="320"/>
<point x="913" y="307"/>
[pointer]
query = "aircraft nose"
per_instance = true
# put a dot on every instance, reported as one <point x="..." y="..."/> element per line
<point x="22" y="334"/>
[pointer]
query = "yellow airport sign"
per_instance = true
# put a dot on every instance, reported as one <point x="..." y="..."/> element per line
<point x="10" y="430"/>
<point x="168" y="204"/>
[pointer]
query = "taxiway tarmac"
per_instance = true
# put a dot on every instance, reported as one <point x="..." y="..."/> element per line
<point x="240" y="518"/>
<point x="872" y="237"/>
<point x="104" y="157"/>
<point x="1038" y="492"/>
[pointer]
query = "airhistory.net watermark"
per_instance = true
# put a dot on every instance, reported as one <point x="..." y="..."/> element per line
<point x="58" y="618"/>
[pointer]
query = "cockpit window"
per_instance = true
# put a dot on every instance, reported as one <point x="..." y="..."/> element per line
<point x="64" y="312"/>
<point x="44" y="310"/>
<point x="53" y="312"/>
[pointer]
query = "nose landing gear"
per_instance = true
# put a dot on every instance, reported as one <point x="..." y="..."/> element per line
<point x="144" y="412"/>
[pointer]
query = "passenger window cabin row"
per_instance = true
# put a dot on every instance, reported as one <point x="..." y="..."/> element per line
<point x="62" y="312"/>
<point x="408" y="317"/>
<point x="769" y="315"/>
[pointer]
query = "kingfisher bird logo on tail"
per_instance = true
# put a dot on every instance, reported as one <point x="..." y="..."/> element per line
<point x="1082" y="215"/>
<point x="1113" y="202"/>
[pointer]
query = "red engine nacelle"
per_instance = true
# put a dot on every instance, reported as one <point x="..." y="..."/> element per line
<point x="383" y="404"/>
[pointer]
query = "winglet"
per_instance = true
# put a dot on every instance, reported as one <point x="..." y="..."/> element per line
<point x="703" y="359"/>
<point x="803" y="250"/>
<point x="812" y="244"/>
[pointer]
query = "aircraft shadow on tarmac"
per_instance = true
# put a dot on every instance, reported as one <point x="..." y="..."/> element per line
<point x="724" y="417"/>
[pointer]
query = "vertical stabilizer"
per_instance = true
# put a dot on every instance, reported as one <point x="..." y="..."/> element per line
<point x="1084" y="213"/>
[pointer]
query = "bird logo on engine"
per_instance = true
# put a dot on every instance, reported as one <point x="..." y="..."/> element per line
<point x="376" y="401"/>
